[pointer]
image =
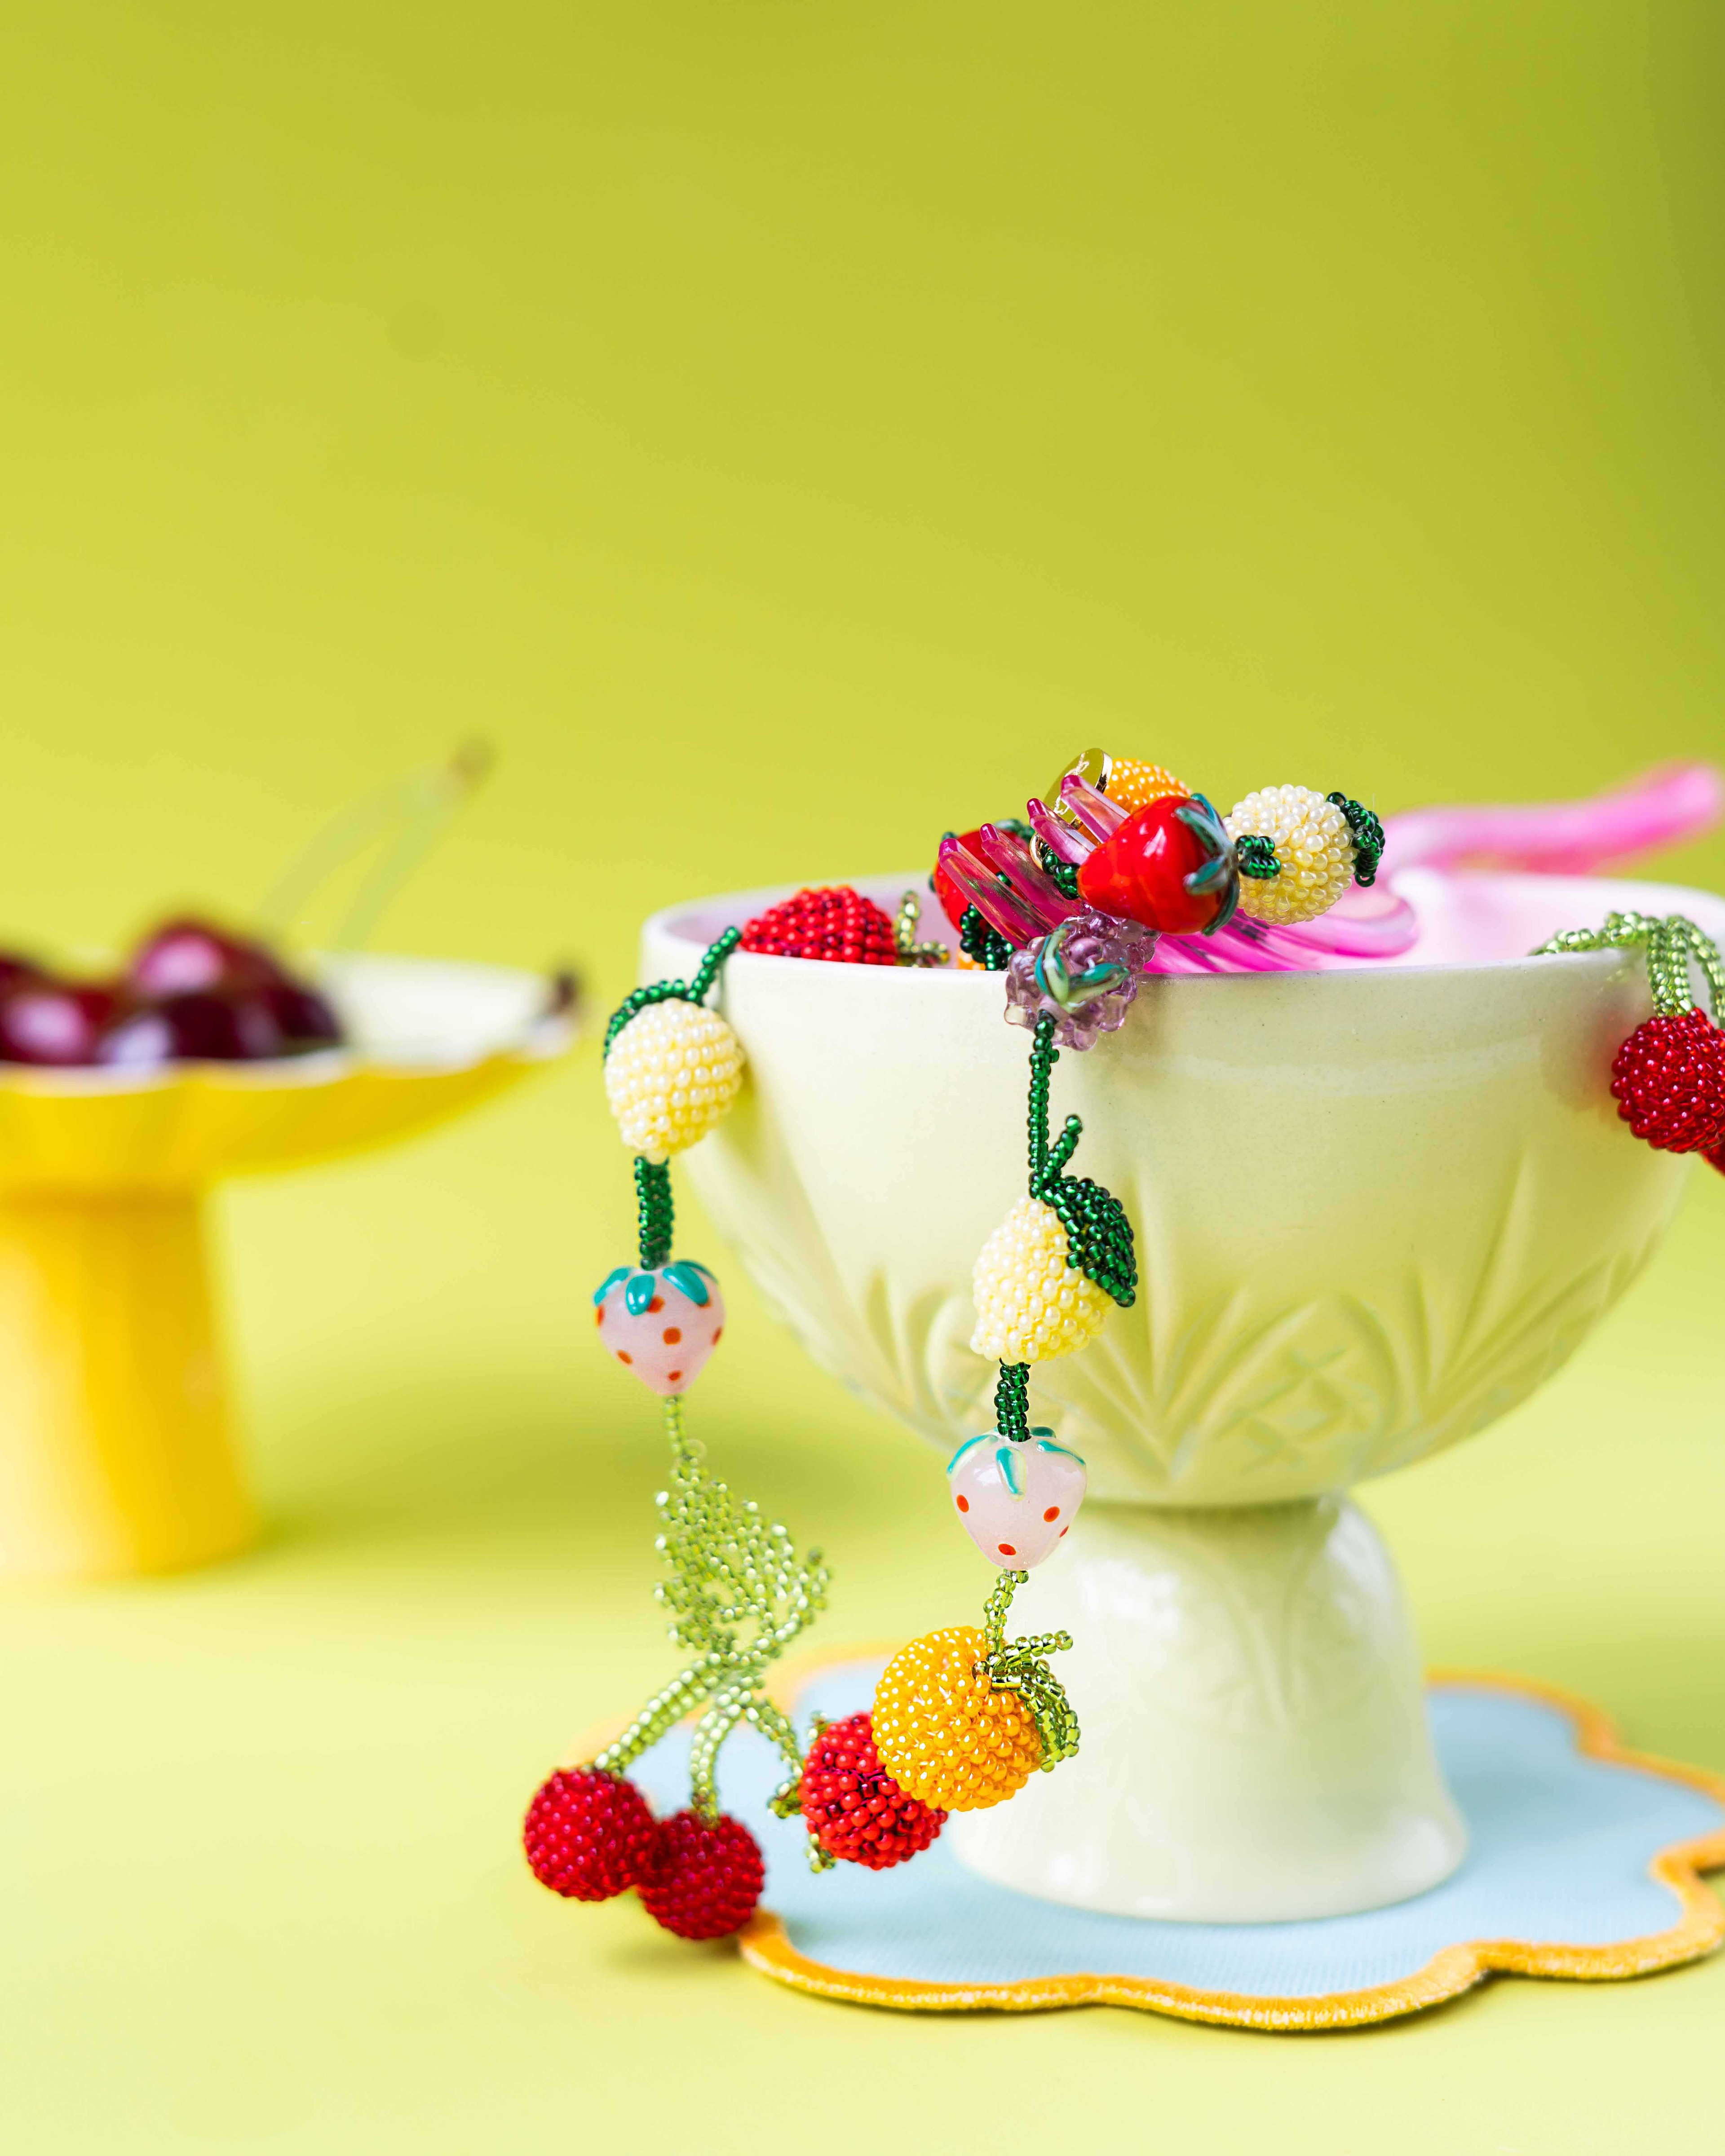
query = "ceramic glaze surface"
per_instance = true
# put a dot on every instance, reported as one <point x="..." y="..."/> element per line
<point x="1374" y="1207"/>
<point x="1255" y="1745"/>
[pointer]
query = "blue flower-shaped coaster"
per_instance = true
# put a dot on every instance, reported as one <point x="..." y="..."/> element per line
<point x="1583" y="1861"/>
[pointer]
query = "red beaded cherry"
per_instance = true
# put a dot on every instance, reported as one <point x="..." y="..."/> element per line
<point x="590" y="1836"/>
<point x="852" y="1805"/>
<point x="709" y="1878"/>
<point x="1170" y="866"/>
<point x="1669" y="1079"/>
<point x="834" y="922"/>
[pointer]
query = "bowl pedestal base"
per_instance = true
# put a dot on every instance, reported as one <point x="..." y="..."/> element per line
<point x="1256" y="1747"/>
<point x="115" y="1451"/>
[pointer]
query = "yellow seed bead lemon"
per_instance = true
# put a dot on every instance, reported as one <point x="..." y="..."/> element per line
<point x="944" y="1733"/>
<point x="1132" y="784"/>
<point x="1313" y="844"/>
<point x="672" y="1072"/>
<point x="1030" y="1304"/>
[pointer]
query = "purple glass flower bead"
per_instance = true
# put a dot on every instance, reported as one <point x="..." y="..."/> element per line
<point x="660" y="1323"/>
<point x="1015" y="1498"/>
<point x="1083" y="974"/>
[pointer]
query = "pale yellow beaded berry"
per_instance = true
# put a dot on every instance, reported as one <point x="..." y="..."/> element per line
<point x="1031" y="1305"/>
<point x="672" y="1072"/>
<point x="944" y="1733"/>
<point x="1313" y="845"/>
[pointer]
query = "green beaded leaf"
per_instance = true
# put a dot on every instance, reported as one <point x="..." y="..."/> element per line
<point x="1099" y="1236"/>
<point x="640" y="1291"/>
<point x="610" y="1281"/>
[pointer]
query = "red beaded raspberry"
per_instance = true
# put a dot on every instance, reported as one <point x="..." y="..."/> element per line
<point x="852" y="1805"/>
<point x="1669" y="1079"/>
<point x="589" y="1835"/>
<point x="836" y="923"/>
<point x="709" y="1878"/>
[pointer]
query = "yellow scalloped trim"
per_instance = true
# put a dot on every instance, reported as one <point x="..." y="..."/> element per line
<point x="764" y="1945"/>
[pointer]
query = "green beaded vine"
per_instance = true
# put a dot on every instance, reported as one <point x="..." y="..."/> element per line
<point x="1018" y="1665"/>
<point x="1671" y="943"/>
<point x="667" y="991"/>
<point x="1099" y="1236"/>
<point x="735" y="1588"/>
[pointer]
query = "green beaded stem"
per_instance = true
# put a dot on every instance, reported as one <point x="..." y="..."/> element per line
<point x="1019" y="1665"/>
<point x="1671" y="945"/>
<point x="908" y="950"/>
<point x="977" y="940"/>
<point x="666" y="991"/>
<point x="1062" y="874"/>
<point x="1257" y="857"/>
<point x="1099" y="1236"/>
<point x="1367" y="834"/>
<point x="737" y="1595"/>
<point x="1012" y="1401"/>
<point x="655" y="1211"/>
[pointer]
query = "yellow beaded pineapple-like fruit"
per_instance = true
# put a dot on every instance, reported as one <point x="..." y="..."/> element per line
<point x="946" y="1735"/>
<point x="672" y="1072"/>
<point x="1314" y="849"/>
<point x="1031" y="1305"/>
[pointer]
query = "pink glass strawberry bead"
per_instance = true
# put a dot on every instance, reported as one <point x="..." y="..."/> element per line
<point x="1015" y="1496"/>
<point x="662" y="1322"/>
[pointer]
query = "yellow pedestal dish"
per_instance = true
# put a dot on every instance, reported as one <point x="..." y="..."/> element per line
<point x="117" y="1450"/>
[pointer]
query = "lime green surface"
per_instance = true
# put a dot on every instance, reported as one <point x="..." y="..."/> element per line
<point x="786" y="431"/>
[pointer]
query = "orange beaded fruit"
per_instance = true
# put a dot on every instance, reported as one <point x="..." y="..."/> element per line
<point x="945" y="1734"/>
<point x="1134" y="785"/>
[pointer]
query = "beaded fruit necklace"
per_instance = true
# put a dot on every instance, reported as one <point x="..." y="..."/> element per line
<point x="1120" y="873"/>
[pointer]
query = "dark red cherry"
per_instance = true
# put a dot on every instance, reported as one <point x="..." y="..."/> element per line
<point x="53" y="1023"/>
<point x="15" y="969"/>
<point x="1170" y="866"/>
<point x="300" y="1018"/>
<point x="190" y="1029"/>
<point x="189" y="957"/>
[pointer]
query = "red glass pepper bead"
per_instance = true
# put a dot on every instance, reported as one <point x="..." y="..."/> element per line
<point x="1164" y="867"/>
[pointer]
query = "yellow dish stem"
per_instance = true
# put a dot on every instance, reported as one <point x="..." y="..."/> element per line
<point x="118" y="1455"/>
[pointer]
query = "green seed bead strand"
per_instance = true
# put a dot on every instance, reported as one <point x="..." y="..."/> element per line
<point x="1257" y="857"/>
<point x="665" y="992"/>
<point x="1019" y="1666"/>
<point x="1062" y="874"/>
<point x="1012" y="1401"/>
<point x="1099" y="1236"/>
<point x="737" y="1594"/>
<point x="1367" y="834"/>
<point x="1671" y="945"/>
<point x="977" y="940"/>
<point x="655" y="1211"/>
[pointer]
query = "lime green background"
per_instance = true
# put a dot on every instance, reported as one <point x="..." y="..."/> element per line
<point x="786" y="430"/>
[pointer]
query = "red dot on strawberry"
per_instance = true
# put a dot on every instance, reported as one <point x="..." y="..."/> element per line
<point x="1669" y="1079"/>
<point x="709" y="1878"/>
<point x="590" y="1836"/>
<point x="852" y="1805"/>
<point x="834" y="923"/>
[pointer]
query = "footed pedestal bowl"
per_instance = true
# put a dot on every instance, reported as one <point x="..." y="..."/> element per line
<point x="1375" y="1207"/>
